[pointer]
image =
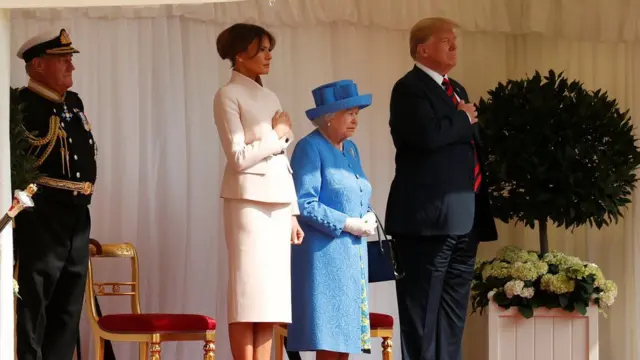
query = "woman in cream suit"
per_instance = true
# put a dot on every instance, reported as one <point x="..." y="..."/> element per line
<point x="260" y="204"/>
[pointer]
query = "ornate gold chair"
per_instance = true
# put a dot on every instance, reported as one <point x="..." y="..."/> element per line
<point x="381" y="327"/>
<point x="149" y="330"/>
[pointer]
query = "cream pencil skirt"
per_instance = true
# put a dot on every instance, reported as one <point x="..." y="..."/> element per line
<point x="258" y="237"/>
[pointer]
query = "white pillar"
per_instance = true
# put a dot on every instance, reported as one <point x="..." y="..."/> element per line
<point x="6" y="240"/>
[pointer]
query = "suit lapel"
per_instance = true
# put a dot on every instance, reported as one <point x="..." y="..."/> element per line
<point x="457" y="89"/>
<point x="432" y="86"/>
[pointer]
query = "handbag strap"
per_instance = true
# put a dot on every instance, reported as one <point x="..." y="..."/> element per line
<point x="381" y="233"/>
<point x="397" y="269"/>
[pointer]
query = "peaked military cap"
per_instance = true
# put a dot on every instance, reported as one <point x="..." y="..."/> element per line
<point x="56" y="43"/>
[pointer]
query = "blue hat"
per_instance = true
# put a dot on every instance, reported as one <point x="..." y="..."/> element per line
<point x="336" y="96"/>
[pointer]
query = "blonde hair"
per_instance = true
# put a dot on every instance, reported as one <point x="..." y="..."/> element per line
<point x="425" y="28"/>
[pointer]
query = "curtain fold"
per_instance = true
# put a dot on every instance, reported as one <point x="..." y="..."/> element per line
<point x="592" y="20"/>
<point x="148" y="83"/>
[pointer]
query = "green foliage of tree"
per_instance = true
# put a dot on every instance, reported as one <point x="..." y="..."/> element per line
<point x="23" y="163"/>
<point x="557" y="152"/>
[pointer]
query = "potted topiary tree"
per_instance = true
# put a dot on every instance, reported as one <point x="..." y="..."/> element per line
<point x="556" y="153"/>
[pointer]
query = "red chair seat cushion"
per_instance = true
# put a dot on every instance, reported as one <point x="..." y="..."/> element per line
<point x="377" y="321"/>
<point x="380" y="321"/>
<point x="150" y="323"/>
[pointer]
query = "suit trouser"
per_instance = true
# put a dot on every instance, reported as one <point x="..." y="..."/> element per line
<point x="433" y="296"/>
<point x="53" y="253"/>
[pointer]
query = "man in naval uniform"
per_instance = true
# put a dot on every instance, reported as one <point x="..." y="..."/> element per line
<point x="52" y="240"/>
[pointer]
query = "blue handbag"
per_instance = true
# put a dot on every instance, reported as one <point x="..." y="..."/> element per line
<point x="384" y="264"/>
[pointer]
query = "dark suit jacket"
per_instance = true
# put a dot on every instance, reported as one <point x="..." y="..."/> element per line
<point x="432" y="191"/>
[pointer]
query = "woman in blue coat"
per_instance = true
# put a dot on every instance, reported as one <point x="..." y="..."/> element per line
<point x="329" y="270"/>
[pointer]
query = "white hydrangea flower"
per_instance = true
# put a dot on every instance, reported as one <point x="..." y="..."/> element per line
<point x="513" y="288"/>
<point x="527" y="292"/>
<point x="607" y="299"/>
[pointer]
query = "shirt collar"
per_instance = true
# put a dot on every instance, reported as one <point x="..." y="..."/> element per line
<point x="241" y="78"/>
<point x="45" y="91"/>
<point x="433" y="74"/>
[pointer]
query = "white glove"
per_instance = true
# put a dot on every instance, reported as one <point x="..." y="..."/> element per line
<point x="370" y="218"/>
<point x="355" y="226"/>
<point x="360" y="227"/>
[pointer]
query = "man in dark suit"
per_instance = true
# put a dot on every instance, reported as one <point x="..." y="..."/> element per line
<point x="438" y="207"/>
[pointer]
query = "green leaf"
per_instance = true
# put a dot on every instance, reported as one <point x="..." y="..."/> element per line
<point x="580" y="307"/>
<point x="526" y="311"/>
<point x="564" y="300"/>
<point x="23" y="165"/>
<point x="502" y="300"/>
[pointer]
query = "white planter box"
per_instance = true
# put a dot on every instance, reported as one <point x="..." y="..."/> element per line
<point x="548" y="335"/>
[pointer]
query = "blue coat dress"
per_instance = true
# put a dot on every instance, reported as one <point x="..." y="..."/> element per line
<point x="329" y="269"/>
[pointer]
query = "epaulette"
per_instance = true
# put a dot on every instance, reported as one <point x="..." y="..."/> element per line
<point x="72" y="96"/>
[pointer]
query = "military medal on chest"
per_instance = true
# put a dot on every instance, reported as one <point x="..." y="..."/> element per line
<point x="85" y="121"/>
<point x="65" y="113"/>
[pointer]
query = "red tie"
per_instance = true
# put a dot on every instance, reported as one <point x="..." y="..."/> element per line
<point x="476" y="170"/>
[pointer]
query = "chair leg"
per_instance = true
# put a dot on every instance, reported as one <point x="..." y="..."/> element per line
<point x="209" y="350"/>
<point x="99" y="344"/>
<point x="144" y="351"/>
<point x="279" y="345"/>
<point x="387" y="345"/>
<point x="155" y="351"/>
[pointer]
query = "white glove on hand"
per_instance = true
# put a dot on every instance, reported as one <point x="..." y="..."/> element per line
<point x="370" y="219"/>
<point x="355" y="226"/>
<point x="360" y="227"/>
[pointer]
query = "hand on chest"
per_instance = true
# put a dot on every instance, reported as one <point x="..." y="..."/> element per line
<point x="256" y="113"/>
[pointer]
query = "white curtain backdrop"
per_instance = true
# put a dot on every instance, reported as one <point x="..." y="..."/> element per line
<point x="147" y="78"/>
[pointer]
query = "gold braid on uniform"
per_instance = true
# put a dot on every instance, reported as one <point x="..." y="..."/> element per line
<point x="55" y="132"/>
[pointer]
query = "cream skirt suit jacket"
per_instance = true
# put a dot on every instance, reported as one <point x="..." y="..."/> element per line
<point x="259" y="200"/>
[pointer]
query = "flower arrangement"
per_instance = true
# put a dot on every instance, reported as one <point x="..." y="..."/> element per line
<point x="528" y="280"/>
<point x="16" y="288"/>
